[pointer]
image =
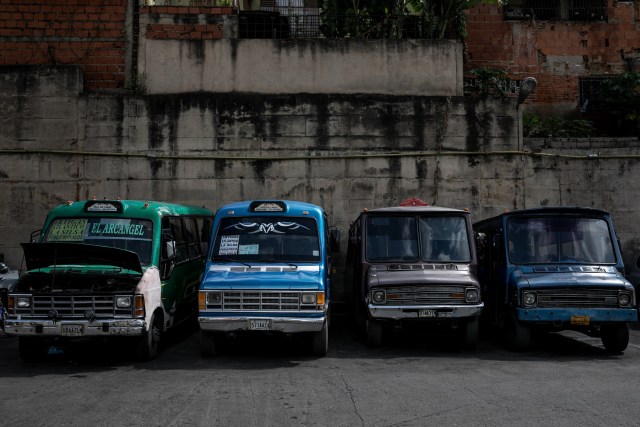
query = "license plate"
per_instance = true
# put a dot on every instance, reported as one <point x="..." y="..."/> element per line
<point x="426" y="313"/>
<point x="260" y="324"/>
<point x="580" y="320"/>
<point x="72" y="330"/>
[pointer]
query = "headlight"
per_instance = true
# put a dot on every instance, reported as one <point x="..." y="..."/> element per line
<point x="308" y="298"/>
<point x="472" y="295"/>
<point x="214" y="298"/>
<point x="624" y="300"/>
<point x="123" y="302"/>
<point x="529" y="299"/>
<point x="379" y="297"/>
<point x="23" y="302"/>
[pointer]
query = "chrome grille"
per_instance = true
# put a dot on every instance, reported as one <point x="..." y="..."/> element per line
<point x="421" y="295"/>
<point x="600" y="298"/>
<point x="103" y="306"/>
<point x="261" y="301"/>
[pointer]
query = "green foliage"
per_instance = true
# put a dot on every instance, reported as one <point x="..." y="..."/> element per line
<point x="487" y="82"/>
<point x="397" y="19"/>
<point x="621" y="96"/>
<point x="534" y="126"/>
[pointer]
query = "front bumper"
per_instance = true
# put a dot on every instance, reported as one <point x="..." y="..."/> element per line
<point x="278" y="324"/>
<point x="97" y="328"/>
<point x="412" y="311"/>
<point x="564" y="315"/>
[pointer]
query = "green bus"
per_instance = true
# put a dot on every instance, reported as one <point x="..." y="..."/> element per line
<point x="108" y="269"/>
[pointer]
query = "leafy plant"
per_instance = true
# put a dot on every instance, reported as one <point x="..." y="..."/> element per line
<point x="534" y="126"/>
<point x="621" y="96"/>
<point x="485" y="82"/>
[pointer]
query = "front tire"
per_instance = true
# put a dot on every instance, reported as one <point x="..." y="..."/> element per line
<point x="208" y="344"/>
<point x="615" y="338"/>
<point x="518" y="335"/>
<point x="320" y="341"/>
<point x="149" y="343"/>
<point x="470" y="334"/>
<point x="375" y="333"/>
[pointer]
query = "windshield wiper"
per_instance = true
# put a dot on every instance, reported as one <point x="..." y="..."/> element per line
<point x="275" y="260"/>
<point x="218" y="258"/>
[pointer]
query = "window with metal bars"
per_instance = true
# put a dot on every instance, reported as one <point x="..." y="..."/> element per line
<point x="556" y="10"/>
<point x="592" y="93"/>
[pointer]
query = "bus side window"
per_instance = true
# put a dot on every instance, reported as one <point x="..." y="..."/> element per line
<point x="191" y="234"/>
<point x="176" y="226"/>
<point x="204" y="225"/>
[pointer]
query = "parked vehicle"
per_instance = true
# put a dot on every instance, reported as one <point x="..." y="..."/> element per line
<point x="107" y="269"/>
<point x="269" y="271"/>
<point x="554" y="269"/>
<point x="413" y="266"/>
<point x="8" y="278"/>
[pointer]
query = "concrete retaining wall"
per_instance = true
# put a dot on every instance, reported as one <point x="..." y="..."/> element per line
<point x="343" y="152"/>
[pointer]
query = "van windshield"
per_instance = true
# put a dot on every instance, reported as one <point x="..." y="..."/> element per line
<point x="132" y="234"/>
<point x="559" y="240"/>
<point x="286" y="239"/>
<point x="409" y="239"/>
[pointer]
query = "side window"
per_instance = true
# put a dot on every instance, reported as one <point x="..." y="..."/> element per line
<point x="177" y="232"/>
<point x="204" y="226"/>
<point x="192" y="238"/>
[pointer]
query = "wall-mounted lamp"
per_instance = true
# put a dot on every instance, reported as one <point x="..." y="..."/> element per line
<point x="527" y="86"/>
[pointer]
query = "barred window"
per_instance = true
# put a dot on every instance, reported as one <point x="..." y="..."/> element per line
<point x="592" y="93"/>
<point x="556" y="10"/>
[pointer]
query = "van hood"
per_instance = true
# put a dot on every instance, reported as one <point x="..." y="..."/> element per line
<point x="427" y="274"/>
<point x="43" y="255"/>
<point x="564" y="276"/>
<point x="274" y="276"/>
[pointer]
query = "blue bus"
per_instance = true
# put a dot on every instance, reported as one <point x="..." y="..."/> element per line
<point x="268" y="271"/>
<point x="554" y="269"/>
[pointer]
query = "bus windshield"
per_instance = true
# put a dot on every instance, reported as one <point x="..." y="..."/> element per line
<point x="409" y="239"/>
<point x="286" y="239"/>
<point x="132" y="234"/>
<point x="559" y="240"/>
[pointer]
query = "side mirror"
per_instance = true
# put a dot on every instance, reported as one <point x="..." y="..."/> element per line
<point x="481" y="239"/>
<point x="35" y="236"/>
<point x="4" y="269"/>
<point x="334" y="240"/>
<point x="170" y="249"/>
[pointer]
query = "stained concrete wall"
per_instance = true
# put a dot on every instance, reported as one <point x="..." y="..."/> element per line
<point x="343" y="152"/>
<point x="389" y="67"/>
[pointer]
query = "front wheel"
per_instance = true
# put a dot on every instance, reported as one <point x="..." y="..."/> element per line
<point x="320" y="341"/>
<point x="518" y="335"/>
<point x="375" y="332"/>
<point x="615" y="338"/>
<point x="149" y="343"/>
<point x="208" y="344"/>
<point x="470" y="334"/>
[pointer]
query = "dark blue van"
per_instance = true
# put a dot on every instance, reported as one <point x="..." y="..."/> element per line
<point x="555" y="269"/>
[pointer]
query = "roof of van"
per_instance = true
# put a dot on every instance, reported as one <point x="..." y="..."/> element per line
<point x="144" y="208"/>
<point x="414" y="209"/>
<point x="549" y="210"/>
<point x="293" y="206"/>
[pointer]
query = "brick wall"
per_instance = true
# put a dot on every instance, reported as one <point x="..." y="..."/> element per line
<point x="183" y="23"/>
<point x="557" y="53"/>
<point x="89" y="33"/>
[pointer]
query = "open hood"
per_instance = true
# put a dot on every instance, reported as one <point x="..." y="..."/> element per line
<point x="40" y="255"/>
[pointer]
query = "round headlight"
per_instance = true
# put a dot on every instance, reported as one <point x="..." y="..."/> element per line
<point x="378" y="297"/>
<point x="123" y="302"/>
<point x="214" y="298"/>
<point x="624" y="300"/>
<point x="472" y="295"/>
<point x="529" y="298"/>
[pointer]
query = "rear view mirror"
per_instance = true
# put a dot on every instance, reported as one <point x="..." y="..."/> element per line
<point x="334" y="240"/>
<point x="481" y="239"/>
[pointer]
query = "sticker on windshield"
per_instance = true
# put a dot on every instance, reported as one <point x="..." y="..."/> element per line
<point x="316" y="253"/>
<point x="248" y="249"/>
<point x="229" y="245"/>
<point x="67" y="230"/>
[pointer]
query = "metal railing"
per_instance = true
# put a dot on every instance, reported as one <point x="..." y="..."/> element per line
<point x="556" y="10"/>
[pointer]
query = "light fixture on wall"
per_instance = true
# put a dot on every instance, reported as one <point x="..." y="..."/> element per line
<point x="527" y="86"/>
